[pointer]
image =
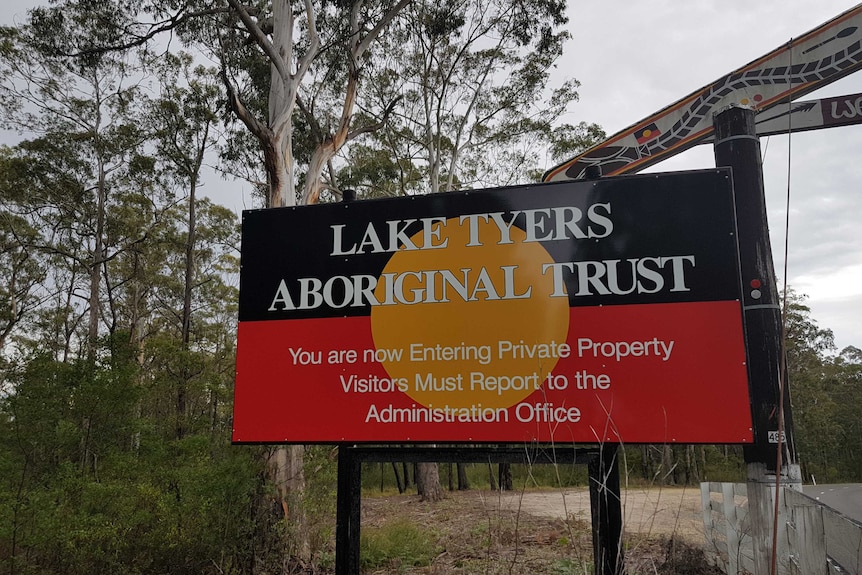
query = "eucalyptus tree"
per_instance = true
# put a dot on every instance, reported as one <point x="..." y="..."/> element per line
<point x="184" y="123"/>
<point x="818" y="433"/>
<point x="86" y="141"/>
<point x="327" y="39"/>
<point x="479" y="101"/>
<point x="191" y="378"/>
<point x="268" y="52"/>
<point x="846" y="373"/>
<point x="314" y="52"/>
<point x="42" y="186"/>
<point x="279" y="59"/>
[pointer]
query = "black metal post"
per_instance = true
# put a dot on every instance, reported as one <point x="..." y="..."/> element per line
<point x="737" y="146"/>
<point x="606" y="511"/>
<point x="348" y="505"/>
<point x="348" y="508"/>
<point x="605" y="500"/>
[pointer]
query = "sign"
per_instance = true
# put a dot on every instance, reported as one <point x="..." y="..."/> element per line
<point x="809" y="115"/>
<point x="580" y="311"/>
<point x="815" y="59"/>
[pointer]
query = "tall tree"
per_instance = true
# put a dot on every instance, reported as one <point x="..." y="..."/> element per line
<point x="292" y="48"/>
<point x="283" y="39"/>
<point x="290" y="40"/>
<point x="84" y="108"/>
<point x="21" y="271"/>
<point x="185" y="120"/>
<point x="474" y="105"/>
<point x="826" y="397"/>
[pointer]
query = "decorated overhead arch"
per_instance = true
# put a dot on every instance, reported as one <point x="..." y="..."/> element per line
<point x="815" y="59"/>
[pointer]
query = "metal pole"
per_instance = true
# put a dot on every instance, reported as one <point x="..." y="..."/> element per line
<point x="737" y="146"/>
<point x="606" y="511"/>
<point x="348" y="507"/>
<point x="348" y="494"/>
<point x="605" y="501"/>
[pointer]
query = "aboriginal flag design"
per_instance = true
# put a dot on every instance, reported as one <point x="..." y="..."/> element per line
<point x="647" y="133"/>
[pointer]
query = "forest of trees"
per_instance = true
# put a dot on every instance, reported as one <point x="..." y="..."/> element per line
<point x="119" y="278"/>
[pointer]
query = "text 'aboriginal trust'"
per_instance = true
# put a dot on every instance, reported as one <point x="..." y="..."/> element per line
<point x="646" y="275"/>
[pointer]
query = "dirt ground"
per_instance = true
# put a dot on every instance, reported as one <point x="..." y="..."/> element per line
<point x="541" y="531"/>
<point x="651" y="512"/>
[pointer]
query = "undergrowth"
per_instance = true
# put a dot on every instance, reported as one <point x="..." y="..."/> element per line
<point x="473" y="533"/>
<point x="400" y="543"/>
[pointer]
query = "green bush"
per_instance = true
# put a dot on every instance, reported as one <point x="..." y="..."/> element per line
<point x="398" y="543"/>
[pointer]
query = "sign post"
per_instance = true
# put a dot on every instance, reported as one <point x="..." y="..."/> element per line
<point x="772" y="454"/>
<point x="606" y="511"/>
<point x="348" y="510"/>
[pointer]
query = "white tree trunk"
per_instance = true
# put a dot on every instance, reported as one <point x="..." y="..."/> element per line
<point x="282" y="101"/>
<point x="287" y="70"/>
<point x="288" y="461"/>
<point x="286" y="470"/>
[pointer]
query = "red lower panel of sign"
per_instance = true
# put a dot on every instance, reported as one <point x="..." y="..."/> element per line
<point x="658" y="373"/>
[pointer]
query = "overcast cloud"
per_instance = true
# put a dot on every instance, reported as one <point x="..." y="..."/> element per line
<point x="634" y="57"/>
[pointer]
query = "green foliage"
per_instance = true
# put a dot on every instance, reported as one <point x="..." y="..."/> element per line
<point x="380" y="478"/>
<point x="398" y="543"/>
<point x="473" y="100"/>
<point x="90" y="486"/>
<point x="102" y="467"/>
<point x="826" y="398"/>
<point x="321" y="473"/>
<point x="555" y="476"/>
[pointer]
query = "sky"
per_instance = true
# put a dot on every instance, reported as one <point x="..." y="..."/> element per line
<point x="634" y="57"/>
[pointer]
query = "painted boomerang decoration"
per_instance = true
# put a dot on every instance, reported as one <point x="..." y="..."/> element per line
<point x="819" y="57"/>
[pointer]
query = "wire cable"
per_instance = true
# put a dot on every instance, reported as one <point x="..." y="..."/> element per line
<point x="782" y="373"/>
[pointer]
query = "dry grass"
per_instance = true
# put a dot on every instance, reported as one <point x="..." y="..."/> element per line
<point x="490" y="533"/>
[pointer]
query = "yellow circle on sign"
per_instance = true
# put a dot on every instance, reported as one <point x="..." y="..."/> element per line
<point x="493" y="333"/>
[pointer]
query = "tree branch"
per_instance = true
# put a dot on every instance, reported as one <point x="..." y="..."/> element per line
<point x="154" y="30"/>
<point x="368" y="128"/>
<point x="363" y="45"/>
<point x="237" y="107"/>
<point x="260" y="38"/>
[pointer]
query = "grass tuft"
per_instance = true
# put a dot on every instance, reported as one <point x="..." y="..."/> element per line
<point x="400" y="543"/>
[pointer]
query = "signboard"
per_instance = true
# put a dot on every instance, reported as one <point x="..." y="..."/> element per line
<point x="809" y="115"/>
<point x="580" y="311"/>
<point x="815" y="59"/>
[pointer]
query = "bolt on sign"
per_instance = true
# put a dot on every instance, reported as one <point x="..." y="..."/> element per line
<point x="581" y="311"/>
